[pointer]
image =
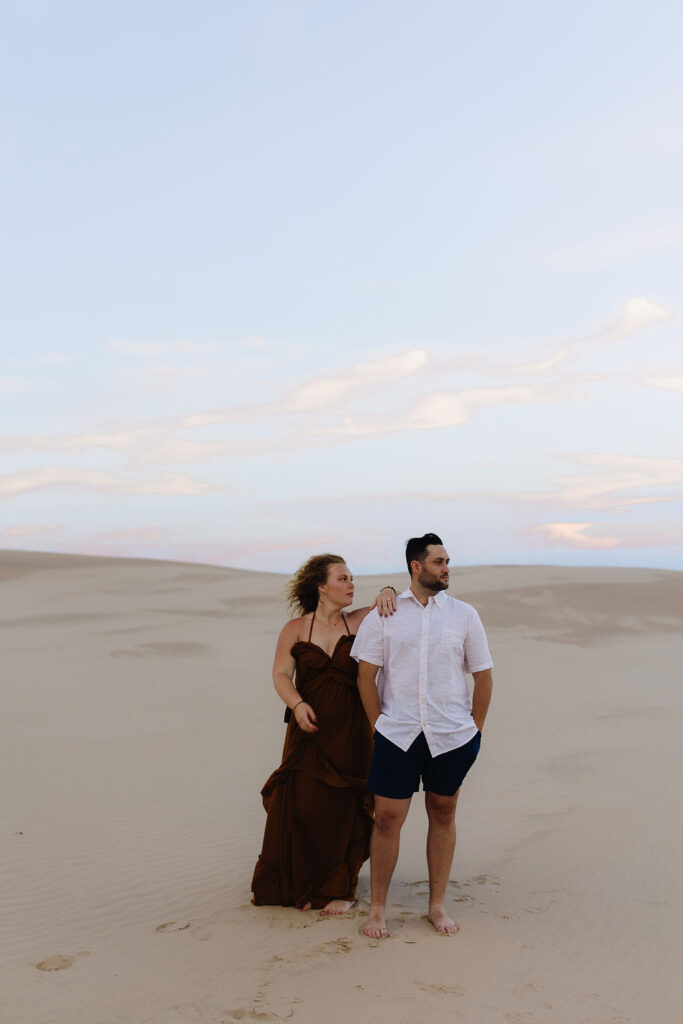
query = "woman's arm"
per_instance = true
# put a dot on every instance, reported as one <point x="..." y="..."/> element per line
<point x="283" y="677"/>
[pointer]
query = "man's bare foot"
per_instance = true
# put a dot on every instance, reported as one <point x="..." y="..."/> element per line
<point x="444" y="924"/>
<point x="376" y="925"/>
<point x="338" y="907"/>
<point x="306" y="906"/>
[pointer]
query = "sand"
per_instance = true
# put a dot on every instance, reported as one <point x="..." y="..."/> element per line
<point x="138" y="723"/>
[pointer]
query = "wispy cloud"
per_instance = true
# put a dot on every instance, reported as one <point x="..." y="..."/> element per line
<point x="571" y="535"/>
<point x="625" y="535"/>
<point x="35" y="530"/>
<point x="443" y="409"/>
<point x="636" y="315"/>
<point x="57" y="477"/>
<point x="613" y="483"/>
<point x="159" y="348"/>
<point x="156" y="376"/>
<point x="320" y="394"/>
<point x="544" y="366"/>
<point x="42" y="359"/>
<point x="672" y="383"/>
<point x="13" y="385"/>
<point x="203" y="552"/>
<point x="351" y="404"/>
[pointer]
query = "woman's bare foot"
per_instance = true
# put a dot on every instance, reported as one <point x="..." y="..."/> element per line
<point x="376" y="925"/>
<point x="306" y="906"/>
<point x="441" y="921"/>
<point x="338" y="907"/>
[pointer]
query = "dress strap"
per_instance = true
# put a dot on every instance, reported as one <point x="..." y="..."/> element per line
<point x="346" y="625"/>
<point x="310" y="632"/>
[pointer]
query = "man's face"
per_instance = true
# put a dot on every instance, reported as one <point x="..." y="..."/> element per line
<point x="434" y="570"/>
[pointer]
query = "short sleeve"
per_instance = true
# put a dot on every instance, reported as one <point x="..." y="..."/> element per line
<point x="477" y="654"/>
<point x="369" y="643"/>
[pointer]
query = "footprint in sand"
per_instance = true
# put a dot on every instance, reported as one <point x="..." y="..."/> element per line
<point x="243" y="1013"/>
<point x="172" y="926"/>
<point x="340" y="945"/>
<point x="55" y="963"/>
<point x="442" y="990"/>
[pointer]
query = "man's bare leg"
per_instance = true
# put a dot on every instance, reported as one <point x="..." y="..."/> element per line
<point x="389" y="817"/>
<point x="440" y="850"/>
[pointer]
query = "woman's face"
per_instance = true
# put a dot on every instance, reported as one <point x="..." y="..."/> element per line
<point x="339" y="586"/>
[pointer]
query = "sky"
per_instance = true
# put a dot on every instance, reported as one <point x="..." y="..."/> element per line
<point x="290" y="277"/>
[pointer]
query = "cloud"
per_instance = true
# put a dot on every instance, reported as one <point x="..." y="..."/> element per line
<point x="159" y="348"/>
<point x="60" y="478"/>
<point x="40" y="359"/>
<point x="113" y="440"/>
<point x="540" y="367"/>
<point x="202" y="552"/>
<point x="631" y="535"/>
<point x="636" y="315"/>
<point x="672" y="383"/>
<point x="13" y="385"/>
<point x="319" y="394"/>
<point x="328" y="409"/>
<point x="10" y="532"/>
<point x="611" y="484"/>
<point x="154" y="376"/>
<point x="572" y="535"/>
<point x="444" y="409"/>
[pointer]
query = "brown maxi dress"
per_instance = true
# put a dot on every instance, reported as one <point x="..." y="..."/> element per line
<point x="319" y="812"/>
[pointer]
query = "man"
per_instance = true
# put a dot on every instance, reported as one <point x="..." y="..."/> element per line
<point x="426" y="724"/>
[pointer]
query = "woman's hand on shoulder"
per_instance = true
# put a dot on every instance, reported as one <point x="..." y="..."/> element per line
<point x="385" y="602"/>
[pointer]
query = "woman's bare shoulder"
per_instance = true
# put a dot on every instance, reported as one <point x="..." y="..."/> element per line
<point x="293" y="630"/>
<point x="355" y="617"/>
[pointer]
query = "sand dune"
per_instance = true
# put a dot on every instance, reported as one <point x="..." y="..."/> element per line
<point x="138" y="723"/>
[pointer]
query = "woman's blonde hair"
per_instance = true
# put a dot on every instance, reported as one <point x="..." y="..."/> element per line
<point x="302" y="590"/>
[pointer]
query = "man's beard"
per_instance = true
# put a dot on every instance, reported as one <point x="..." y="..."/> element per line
<point x="431" y="582"/>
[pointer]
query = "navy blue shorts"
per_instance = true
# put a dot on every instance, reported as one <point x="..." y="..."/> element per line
<point x="396" y="773"/>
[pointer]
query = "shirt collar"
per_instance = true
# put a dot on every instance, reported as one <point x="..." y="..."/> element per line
<point x="439" y="597"/>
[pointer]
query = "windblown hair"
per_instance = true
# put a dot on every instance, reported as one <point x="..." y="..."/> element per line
<point x="416" y="548"/>
<point x="302" y="589"/>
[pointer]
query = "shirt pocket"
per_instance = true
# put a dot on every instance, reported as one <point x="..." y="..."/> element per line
<point x="452" y="642"/>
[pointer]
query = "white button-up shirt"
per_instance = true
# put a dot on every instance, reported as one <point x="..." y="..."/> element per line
<point x="423" y="653"/>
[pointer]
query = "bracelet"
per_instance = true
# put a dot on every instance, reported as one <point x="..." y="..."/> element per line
<point x="388" y="586"/>
<point x="302" y="701"/>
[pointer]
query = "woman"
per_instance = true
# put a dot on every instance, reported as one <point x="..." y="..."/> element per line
<point x="319" y="811"/>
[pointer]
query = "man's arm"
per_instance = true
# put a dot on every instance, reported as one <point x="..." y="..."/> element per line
<point x="367" y="688"/>
<point x="481" y="696"/>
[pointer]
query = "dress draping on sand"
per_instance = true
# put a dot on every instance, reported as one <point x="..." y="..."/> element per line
<point x="319" y="812"/>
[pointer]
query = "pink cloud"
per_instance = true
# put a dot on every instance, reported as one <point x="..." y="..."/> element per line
<point x="572" y="535"/>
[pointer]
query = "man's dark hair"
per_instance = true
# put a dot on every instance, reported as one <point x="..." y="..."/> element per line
<point x="416" y="548"/>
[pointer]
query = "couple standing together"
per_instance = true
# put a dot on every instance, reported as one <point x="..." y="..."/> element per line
<point x="398" y="670"/>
